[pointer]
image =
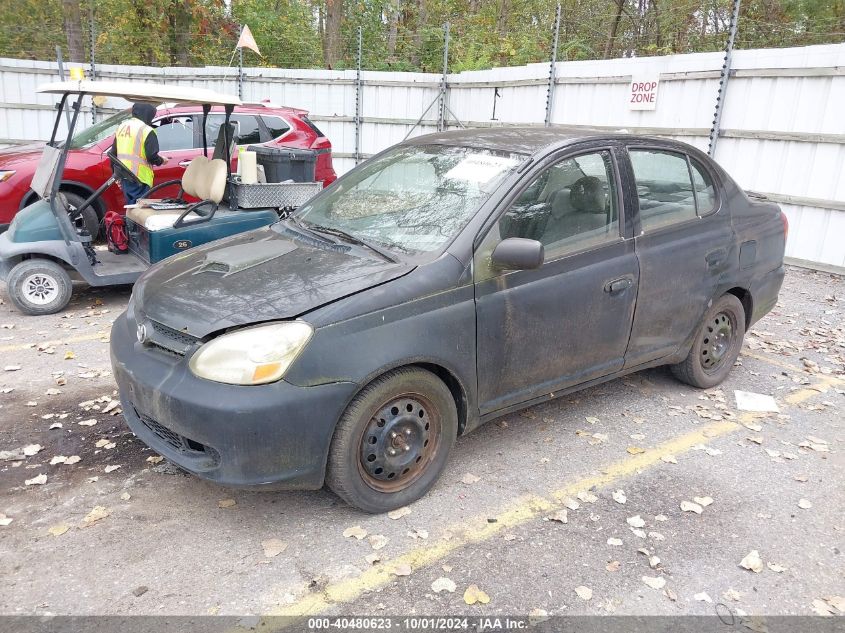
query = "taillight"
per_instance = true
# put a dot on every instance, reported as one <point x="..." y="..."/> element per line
<point x="785" y="225"/>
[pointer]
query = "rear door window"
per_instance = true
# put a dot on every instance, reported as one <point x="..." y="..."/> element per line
<point x="664" y="188"/>
<point x="175" y="133"/>
<point x="247" y="130"/>
<point x="275" y="125"/>
<point x="705" y="192"/>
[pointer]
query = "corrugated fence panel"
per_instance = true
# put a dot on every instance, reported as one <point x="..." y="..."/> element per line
<point x="775" y="99"/>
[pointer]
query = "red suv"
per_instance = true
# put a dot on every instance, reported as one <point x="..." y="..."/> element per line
<point x="179" y="133"/>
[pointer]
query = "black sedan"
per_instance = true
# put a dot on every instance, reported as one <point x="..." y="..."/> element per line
<point x="449" y="280"/>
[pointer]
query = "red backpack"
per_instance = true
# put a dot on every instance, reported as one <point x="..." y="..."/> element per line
<point x="116" y="233"/>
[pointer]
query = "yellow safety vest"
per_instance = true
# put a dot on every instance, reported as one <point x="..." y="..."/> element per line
<point x="130" y="138"/>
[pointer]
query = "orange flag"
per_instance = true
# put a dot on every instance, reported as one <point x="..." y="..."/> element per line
<point x="246" y="40"/>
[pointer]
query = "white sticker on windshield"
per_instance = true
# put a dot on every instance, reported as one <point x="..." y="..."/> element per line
<point x="480" y="168"/>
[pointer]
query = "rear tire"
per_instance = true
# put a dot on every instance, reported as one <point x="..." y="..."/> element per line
<point x="718" y="341"/>
<point x="39" y="286"/>
<point x="393" y="441"/>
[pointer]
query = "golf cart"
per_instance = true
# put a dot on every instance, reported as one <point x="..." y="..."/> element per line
<point x="47" y="244"/>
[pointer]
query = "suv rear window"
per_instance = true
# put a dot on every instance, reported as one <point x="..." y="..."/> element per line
<point x="275" y="125"/>
<point x="248" y="131"/>
<point x="313" y="127"/>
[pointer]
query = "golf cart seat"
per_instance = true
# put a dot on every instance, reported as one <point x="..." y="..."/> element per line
<point x="204" y="179"/>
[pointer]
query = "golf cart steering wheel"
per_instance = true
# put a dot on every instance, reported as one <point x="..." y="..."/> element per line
<point x="199" y="208"/>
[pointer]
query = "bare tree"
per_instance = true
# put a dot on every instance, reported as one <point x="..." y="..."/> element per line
<point x="331" y="35"/>
<point x="72" y="18"/>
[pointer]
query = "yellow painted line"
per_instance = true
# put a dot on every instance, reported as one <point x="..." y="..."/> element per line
<point x="19" y="347"/>
<point x="523" y="510"/>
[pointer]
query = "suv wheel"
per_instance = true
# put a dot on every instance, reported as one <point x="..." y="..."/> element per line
<point x="717" y="344"/>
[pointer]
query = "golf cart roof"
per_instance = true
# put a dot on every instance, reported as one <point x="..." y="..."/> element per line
<point x="141" y="91"/>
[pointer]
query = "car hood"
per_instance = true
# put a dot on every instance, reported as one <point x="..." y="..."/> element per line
<point x="253" y="277"/>
<point x="15" y="155"/>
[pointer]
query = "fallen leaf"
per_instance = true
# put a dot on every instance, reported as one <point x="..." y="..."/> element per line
<point x="443" y="584"/>
<point x="752" y="561"/>
<point x="702" y="597"/>
<point x="40" y="480"/>
<point x="69" y="355"/>
<point x="750" y="401"/>
<point x="732" y="594"/>
<point x="669" y="459"/>
<point x="778" y="569"/>
<point x="804" y="504"/>
<point x="399" y="513"/>
<point x="355" y="531"/>
<point x="470" y="479"/>
<point x="58" y="459"/>
<point x="90" y="422"/>
<point x="653" y="561"/>
<point x="155" y="459"/>
<point x="536" y="616"/>
<point x="52" y="391"/>
<point x="655" y="582"/>
<point x="273" y="547"/>
<point x="58" y="530"/>
<point x="377" y="541"/>
<point x="56" y="425"/>
<point x="12" y="368"/>
<point x="638" y="533"/>
<point x="635" y="521"/>
<point x="4" y="520"/>
<point x="561" y="516"/>
<point x="837" y="602"/>
<point x="97" y="514"/>
<point x="689" y="506"/>
<point x="73" y="459"/>
<point x="587" y="497"/>
<point x="571" y="504"/>
<point x="592" y="420"/>
<point x="801" y="478"/>
<point x="125" y="496"/>
<point x="635" y="450"/>
<point x="32" y="449"/>
<point x="661" y="517"/>
<point x="822" y="608"/>
<point x="670" y="594"/>
<point x="403" y="569"/>
<point x="619" y="496"/>
<point x="614" y="541"/>
<point x="373" y="558"/>
<point x="657" y="536"/>
<point x="418" y="533"/>
<point x="101" y="443"/>
<point x="227" y="503"/>
<point x="110" y="469"/>
<point x="613" y="565"/>
<point x="703" y="501"/>
<point x="585" y="593"/>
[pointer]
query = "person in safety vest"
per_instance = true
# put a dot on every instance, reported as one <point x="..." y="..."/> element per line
<point x="136" y="146"/>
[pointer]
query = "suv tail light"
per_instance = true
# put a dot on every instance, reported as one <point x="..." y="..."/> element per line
<point x="785" y="225"/>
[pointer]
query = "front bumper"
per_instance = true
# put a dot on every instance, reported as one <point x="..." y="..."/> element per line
<point x="270" y="435"/>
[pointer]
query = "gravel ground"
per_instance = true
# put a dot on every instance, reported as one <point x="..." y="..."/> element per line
<point x="169" y="543"/>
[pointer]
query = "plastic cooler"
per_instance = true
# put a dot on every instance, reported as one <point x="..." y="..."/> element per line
<point x="286" y="163"/>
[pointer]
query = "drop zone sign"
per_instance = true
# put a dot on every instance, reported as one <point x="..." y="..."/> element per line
<point x="643" y="93"/>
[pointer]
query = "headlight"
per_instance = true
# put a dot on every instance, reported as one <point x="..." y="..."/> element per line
<point x="252" y="356"/>
<point x="5" y="175"/>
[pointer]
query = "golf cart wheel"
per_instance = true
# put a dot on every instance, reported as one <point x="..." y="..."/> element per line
<point x="393" y="440"/>
<point x="718" y="341"/>
<point x="39" y="286"/>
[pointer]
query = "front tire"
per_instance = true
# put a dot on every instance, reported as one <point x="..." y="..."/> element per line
<point x="393" y="441"/>
<point x="718" y="341"/>
<point x="39" y="286"/>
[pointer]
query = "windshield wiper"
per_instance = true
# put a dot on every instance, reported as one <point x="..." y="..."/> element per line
<point x="354" y="239"/>
<point x="301" y="225"/>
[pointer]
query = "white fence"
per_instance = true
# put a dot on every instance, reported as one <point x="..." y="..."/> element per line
<point x="782" y="129"/>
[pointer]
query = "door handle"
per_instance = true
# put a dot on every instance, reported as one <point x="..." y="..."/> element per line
<point x="184" y="163"/>
<point x="618" y="285"/>
<point x="714" y="258"/>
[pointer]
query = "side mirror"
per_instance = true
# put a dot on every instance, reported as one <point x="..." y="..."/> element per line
<point x="518" y="253"/>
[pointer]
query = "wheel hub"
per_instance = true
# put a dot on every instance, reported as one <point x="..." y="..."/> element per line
<point x="40" y="289"/>
<point x="716" y="341"/>
<point x="397" y="444"/>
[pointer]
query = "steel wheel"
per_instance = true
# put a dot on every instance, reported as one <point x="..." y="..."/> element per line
<point x="40" y="289"/>
<point x="398" y="443"/>
<point x="716" y="340"/>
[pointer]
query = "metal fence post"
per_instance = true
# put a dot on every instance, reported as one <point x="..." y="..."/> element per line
<point x="358" y="94"/>
<point x="723" y="80"/>
<point x="441" y="119"/>
<point x="92" y="43"/>
<point x="550" y="93"/>
<point x="241" y="73"/>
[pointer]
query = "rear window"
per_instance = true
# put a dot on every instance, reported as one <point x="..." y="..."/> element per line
<point x="313" y="127"/>
<point x="275" y="125"/>
<point x="246" y="126"/>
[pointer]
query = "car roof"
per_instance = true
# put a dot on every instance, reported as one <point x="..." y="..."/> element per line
<point x="248" y="108"/>
<point x="141" y="91"/>
<point x="527" y="140"/>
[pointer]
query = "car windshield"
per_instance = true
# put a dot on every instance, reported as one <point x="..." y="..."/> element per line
<point x="98" y="131"/>
<point x="413" y="198"/>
